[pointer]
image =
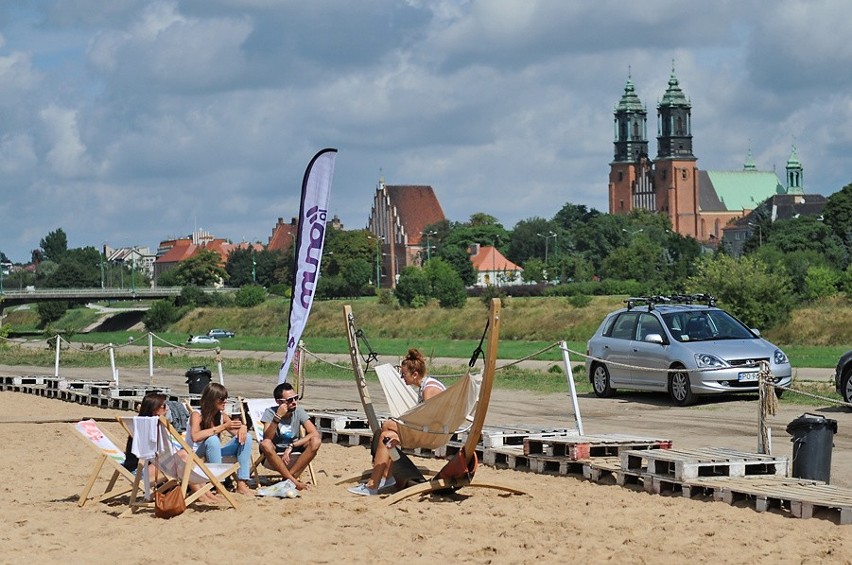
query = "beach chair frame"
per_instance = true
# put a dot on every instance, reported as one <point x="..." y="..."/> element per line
<point x="109" y="455"/>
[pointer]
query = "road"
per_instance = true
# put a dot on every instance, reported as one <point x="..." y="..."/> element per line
<point x="718" y="422"/>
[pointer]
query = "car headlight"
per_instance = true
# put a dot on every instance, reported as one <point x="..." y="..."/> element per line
<point x="780" y="358"/>
<point x="707" y="361"/>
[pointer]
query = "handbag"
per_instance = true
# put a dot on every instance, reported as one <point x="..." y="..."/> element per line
<point x="170" y="502"/>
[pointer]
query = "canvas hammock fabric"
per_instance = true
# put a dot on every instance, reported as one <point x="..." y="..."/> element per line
<point x="430" y="424"/>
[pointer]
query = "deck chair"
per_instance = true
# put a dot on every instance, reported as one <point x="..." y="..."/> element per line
<point x="186" y="469"/>
<point x="254" y="409"/>
<point x="108" y="454"/>
<point x="432" y="423"/>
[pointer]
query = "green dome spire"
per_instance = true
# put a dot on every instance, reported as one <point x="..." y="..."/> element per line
<point x="674" y="96"/>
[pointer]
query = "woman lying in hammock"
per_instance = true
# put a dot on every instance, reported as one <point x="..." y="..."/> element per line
<point x="413" y="371"/>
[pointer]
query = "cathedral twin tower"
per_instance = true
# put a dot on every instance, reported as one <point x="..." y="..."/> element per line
<point x="669" y="184"/>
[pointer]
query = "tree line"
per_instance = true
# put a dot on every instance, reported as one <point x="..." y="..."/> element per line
<point x="578" y="251"/>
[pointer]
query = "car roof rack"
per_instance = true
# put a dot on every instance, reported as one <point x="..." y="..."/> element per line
<point x="652" y="301"/>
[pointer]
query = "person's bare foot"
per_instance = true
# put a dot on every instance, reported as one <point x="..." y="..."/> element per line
<point x="243" y="489"/>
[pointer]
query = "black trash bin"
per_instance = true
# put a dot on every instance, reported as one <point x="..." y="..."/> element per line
<point x="813" y="439"/>
<point x="197" y="378"/>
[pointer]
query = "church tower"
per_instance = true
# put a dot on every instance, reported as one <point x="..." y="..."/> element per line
<point x="629" y="175"/>
<point x="795" y="174"/>
<point x="675" y="169"/>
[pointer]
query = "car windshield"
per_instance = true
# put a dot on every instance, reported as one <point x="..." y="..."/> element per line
<point x="703" y="325"/>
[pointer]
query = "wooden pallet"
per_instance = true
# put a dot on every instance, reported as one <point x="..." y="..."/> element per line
<point x="500" y="436"/>
<point x="578" y="448"/>
<point x="684" y="464"/>
<point x="509" y="457"/>
<point x="802" y="497"/>
<point x="343" y="420"/>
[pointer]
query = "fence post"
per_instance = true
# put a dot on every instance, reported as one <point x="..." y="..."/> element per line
<point x="56" y="361"/>
<point x="112" y="364"/>
<point x="150" y="358"/>
<point x="577" y="418"/>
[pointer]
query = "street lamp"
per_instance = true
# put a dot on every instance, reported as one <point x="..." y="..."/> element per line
<point x="633" y="232"/>
<point x="759" y="233"/>
<point x="546" y="237"/>
<point x="253" y="267"/>
<point x="428" y="234"/>
<point x="379" y="241"/>
<point x="102" y="270"/>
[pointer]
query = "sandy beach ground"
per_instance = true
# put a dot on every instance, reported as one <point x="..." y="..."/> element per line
<point x="45" y="465"/>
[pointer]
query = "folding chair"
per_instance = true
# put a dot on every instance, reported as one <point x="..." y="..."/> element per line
<point x="108" y="454"/>
<point x="186" y="469"/>
<point x="254" y="409"/>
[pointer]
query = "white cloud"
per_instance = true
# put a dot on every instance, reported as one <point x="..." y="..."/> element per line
<point x="67" y="153"/>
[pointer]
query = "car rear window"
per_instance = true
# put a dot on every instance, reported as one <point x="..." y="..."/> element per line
<point x="623" y="326"/>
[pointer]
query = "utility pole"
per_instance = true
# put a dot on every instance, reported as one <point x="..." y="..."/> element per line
<point x="253" y="267"/>
<point x="102" y="267"/>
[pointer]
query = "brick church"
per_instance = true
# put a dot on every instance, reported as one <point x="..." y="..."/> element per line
<point x="699" y="203"/>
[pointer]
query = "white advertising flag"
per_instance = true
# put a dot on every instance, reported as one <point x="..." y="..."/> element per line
<point x="316" y="189"/>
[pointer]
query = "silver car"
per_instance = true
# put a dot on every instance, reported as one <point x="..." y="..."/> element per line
<point x="683" y="349"/>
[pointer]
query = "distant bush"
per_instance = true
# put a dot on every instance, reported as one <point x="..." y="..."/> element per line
<point x="579" y="300"/>
<point x="386" y="297"/>
<point x="160" y="315"/>
<point x="821" y="282"/>
<point x="49" y="312"/>
<point x="279" y="290"/>
<point x="250" y="295"/>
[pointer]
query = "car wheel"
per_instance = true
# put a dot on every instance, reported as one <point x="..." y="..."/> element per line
<point x="847" y="384"/>
<point x="679" y="387"/>
<point x="600" y="381"/>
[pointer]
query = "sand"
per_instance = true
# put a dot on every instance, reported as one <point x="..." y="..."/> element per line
<point x="45" y="465"/>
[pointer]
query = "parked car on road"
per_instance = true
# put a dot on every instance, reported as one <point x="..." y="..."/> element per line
<point x="843" y="376"/>
<point x="202" y="339"/>
<point x="220" y="333"/>
<point x="675" y="345"/>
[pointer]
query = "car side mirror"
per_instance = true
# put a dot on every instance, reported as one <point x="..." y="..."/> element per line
<point x="654" y="338"/>
<point x="755" y="331"/>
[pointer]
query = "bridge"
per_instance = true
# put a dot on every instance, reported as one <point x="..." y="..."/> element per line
<point x="15" y="297"/>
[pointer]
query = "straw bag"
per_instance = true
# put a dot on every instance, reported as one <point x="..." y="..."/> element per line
<point x="169" y="503"/>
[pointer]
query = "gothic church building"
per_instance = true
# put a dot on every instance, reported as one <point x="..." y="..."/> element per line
<point x="698" y="203"/>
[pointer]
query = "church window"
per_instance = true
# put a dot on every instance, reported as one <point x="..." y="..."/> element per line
<point x="620" y="176"/>
<point x="684" y="174"/>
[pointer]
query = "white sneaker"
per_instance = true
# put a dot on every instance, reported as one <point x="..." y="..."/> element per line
<point x="362" y="490"/>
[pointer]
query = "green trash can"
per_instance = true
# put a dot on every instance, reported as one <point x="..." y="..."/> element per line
<point x="813" y="439"/>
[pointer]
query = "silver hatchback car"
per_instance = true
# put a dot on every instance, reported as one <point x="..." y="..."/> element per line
<point x="685" y="349"/>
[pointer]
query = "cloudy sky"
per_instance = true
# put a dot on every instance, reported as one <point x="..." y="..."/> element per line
<point x="131" y="121"/>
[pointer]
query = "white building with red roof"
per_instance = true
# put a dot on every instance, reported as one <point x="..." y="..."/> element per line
<point x="492" y="268"/>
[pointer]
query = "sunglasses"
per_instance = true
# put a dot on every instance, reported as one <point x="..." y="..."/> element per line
<point x="290" y="400"/>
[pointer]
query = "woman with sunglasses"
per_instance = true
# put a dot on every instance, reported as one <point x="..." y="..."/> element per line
<point x="154" y="404"/>
<point x="412" y="370"/>
<point x="206" y="427"/>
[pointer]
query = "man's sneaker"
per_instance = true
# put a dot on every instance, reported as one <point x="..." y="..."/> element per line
<point x="362" y="490"/>
<point x="387" y="483"/>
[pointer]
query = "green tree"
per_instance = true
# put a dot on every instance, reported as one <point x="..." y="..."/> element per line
<point x="533" y="270"/>
<point x="160" y="315"/>
<point x="459" y="259"/>
<point x="54" y="245"/>
<point x="357" y="274"/>
<point x="51" y="311"/>
<point x="838" y="215"/>
<point x="413" y="287"/>
<point x="446" y="284"/>
<point x="202" y="269"/>
<point x="250" y="295"/>
<point x="746" y="287"/>
<point x="821" y="282"/>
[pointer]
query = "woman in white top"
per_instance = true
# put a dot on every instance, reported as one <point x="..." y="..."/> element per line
<point x="413" y="371"/>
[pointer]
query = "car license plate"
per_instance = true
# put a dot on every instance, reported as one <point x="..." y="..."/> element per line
<point x="743" y="377"/>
